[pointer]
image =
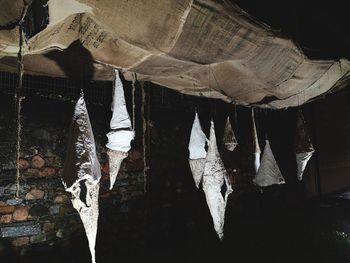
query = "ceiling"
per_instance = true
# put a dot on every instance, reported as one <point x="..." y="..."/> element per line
<point x="263" y="53"/>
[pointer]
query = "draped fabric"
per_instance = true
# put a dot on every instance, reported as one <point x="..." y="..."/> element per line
<point x="198" y="47"/>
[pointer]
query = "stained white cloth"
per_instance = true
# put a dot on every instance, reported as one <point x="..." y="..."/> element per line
<point x="115" y="160"/>
<point x="214" y="177"/>
<point x="229" y="139"/>
<point x="256" y="157"/>
<point x="197" y="151"/>
<point x="82" y="172"/>
<point x="197" y="169"/>
<point x="269" y="172"/>
<point x="256" y="147"/>
<point x="303" y="146"/>
<point x="120" y="118"/>
<point x="302" y="160"/>
<point x="198" y="140"/>
<point x="120" y="140"/>
<point x="121" y="134"/>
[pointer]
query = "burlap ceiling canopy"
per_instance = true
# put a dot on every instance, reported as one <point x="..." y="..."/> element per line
<point x="200" y="47"/>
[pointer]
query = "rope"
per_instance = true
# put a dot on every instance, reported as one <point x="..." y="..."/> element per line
<point x="236" y="115"/>
<point x="144" y="129"/>
<point x="133" y="101"/>
<point x="18" y="94"/>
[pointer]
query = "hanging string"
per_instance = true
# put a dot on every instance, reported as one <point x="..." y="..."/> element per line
<point x="144" y="130"/>
<point x="18" y="94"/>
<point x="265" y="113"/>
<point x="133" y="83"/>
<point x="148" y="130"/>
<point x="235" y="107"/>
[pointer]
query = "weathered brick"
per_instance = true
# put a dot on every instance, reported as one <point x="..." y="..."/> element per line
<point x="37" y="162"/>
<point x="38" y="238"/>
<point x="4" y="219"/>
<point x="105" y="168"/>
<point x="21" y="213"/>
<point x="47" y="171"/>
<point x="32" y="172"/>
<point x="134" y="155"/>
<point x="61" y="199"/>
<point x="35" y="194"/>
<point x="14" y="201"/>
<point x="21" y="241"/>
<point x="47" y="227"/>
<point x="20" y="229"/>
<point x="7" y="209"/>
<point x="53" y="161"/>
<point x="39" y="210"/>
<point x="23" y="164"/>
<point x="67" y="209"/>
<point x="55" y="209"/>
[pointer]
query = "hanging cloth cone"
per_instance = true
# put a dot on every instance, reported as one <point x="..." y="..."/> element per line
<point x="269" y="172"/>
<point x="229" y="140"/>
<point x="214" y="177"/>
<point x="303" y="146"/>
<point x="121" y="134"/>
<point x="82" y="172"/>
<point x="256" y="147"/>
<point x="197" y="151"/>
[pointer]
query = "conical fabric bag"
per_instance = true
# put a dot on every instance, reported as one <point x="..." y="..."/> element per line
<point x="302" y="160"/>
<point x="120" y="118"/>
<point x="215" y="175"/>
<point x="197" y="151"/>
<point x="269" y="172"/>
<point x="303" y="146"/>
<point x="256" y="147"/>
<point x="82" y="172"/>
<point x="115" y="160"/>
<point x="121" y="134"/>
<point x="229" y="140"/>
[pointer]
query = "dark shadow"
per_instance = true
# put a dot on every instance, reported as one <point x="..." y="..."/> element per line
<point x="76" y="62"/>
<point x="8" y="253"/>
<point x="37" y="18"/>
<point x="267" y="99"/>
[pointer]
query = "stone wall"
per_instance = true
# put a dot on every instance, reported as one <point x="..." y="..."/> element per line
<point x="43" y="214"/>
